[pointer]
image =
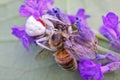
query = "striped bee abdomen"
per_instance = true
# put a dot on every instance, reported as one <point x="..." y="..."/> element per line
<point x="65" y="60"/>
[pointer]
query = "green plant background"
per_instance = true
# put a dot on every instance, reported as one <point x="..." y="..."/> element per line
<point x="17" y="64"/>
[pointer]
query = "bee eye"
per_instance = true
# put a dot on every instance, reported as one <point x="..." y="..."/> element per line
<point x="54" y="36"/>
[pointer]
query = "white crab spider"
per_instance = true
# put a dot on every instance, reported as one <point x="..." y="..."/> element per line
<point x="35" y="28"/>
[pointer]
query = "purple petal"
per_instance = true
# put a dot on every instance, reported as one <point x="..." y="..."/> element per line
<point x="31" y="3"/>
<point x="20" y="33"/>
<point x="31" y="7"/>
<point x="84" y="31"/>
<point x="81" y="13"/>
<point x="112" y="57"/>
<point x="60" y="15"/>
<point x="89" y="69"/>
<point x="82" y="16"/>
<point x="115" y="44"/>
<point x="45" y="4"/>
<point x="111" y="20"/>
<point x="25" y="11"/>
<point x="109" y="33"/>
<point x="71" y="18"/>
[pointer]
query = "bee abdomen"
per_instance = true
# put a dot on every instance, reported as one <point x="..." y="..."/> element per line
<point x="65" y="60"/>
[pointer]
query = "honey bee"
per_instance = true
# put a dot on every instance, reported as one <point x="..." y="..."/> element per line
<point x="69" y="48"/>
<point x="65" y="60"/>
<point x="62" y="58"/>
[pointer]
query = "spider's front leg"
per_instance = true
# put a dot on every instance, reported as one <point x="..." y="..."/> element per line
<point x="41" y="41"/>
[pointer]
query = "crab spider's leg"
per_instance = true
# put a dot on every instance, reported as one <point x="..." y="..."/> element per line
<point x="52" y="18"/>
<point x="38" y="42"/>
<point x="43" y="39"/>
<point x="49" y="23"/>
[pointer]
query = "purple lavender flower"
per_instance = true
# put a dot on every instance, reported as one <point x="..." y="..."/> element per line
<point x="110" y="29"/>
<point x="60" y="15"/>
<point x="90" y="70"/>
<point x="35" y="7"/>
<point x="20" y="33"/>
<point x="81" y="15"/>
<point x="54" y="12"/>
<point x="84" y="31"/>
<point x="111" y="67"/>
<point x="110" y="57"/>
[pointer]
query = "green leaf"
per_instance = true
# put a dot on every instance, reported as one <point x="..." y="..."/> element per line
<point x="17" y="64"/>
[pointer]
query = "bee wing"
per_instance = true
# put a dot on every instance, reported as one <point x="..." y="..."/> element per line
<point x="78" y="51"/>
<point x="39" y="54"/>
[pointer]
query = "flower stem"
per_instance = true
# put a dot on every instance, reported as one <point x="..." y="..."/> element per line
<point x="113" y="56"/>
<point x="100" y="48"/>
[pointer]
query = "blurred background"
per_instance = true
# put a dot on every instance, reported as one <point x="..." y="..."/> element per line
<point x="18" y="64"/>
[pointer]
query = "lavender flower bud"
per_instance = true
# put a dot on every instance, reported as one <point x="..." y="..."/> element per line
<point x="110" y="57"/>
<point x="110" y="29"/>
<point x="60" y="15"/>
<point x="111" y="67"/>
<point x="81" y="15"/>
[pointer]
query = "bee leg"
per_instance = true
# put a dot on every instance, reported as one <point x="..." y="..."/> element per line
<point x="38" y="42"/>
<point x="41" y="51"/>
<point x="70" y="29"/>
